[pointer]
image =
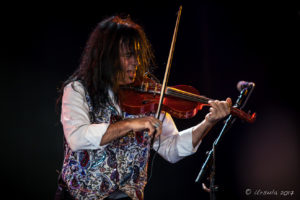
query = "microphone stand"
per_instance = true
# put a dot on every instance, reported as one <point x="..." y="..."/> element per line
<point x="211" y="155"/>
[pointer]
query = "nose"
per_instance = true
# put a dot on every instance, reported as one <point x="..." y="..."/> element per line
<point x="133" y="60"/>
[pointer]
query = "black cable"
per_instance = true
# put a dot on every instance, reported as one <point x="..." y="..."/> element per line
<point x="152" y="161"/>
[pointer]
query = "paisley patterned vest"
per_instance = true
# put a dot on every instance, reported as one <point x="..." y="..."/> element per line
<point x="121" y="165"/>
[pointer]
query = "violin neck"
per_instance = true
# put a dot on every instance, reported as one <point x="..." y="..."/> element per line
<point x="171" y="91"/>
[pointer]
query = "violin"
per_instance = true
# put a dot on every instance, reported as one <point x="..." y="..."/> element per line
<point x="181" y="101"/>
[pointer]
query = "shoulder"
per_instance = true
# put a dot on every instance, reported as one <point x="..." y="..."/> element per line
<point x="74" y="91"/>
<point x="74" y="86"/>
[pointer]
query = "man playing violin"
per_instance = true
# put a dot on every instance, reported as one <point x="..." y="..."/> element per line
<point x="106" y="149"/>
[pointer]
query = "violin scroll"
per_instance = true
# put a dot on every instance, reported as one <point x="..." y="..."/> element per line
<point x="250" y="118"/>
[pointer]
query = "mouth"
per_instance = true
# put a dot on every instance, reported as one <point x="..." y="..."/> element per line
<point x="131" y="73"/>
<point x="131" y="78"/>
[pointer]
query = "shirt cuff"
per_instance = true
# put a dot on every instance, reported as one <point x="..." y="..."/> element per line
<point x="95" y="134"/>
<point x="185" y="143"/>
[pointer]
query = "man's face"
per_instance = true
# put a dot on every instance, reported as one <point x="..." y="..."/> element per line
<point x="129" y="63"/>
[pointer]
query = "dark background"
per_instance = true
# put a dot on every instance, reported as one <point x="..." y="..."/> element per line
<point x="218" y="45"/>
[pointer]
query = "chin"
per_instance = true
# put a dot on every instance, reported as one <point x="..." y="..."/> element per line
<point x="129" y="82"/>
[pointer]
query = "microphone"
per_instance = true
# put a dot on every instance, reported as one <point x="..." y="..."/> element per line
<point x="244" y="84"/>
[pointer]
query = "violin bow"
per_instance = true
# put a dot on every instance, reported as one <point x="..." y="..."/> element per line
<point x="168" y="67"/>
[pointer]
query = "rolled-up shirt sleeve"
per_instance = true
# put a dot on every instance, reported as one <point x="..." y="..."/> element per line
<point x="79" y="132"/>
<point x="174" y="145"/>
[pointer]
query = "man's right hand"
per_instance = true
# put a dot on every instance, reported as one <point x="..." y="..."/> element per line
<point x="121" y="128"/>
<point x="150" y="123"/>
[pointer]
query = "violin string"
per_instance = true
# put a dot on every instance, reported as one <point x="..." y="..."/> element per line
<point x="183" y="96"/>
<point x="177" y="93"/>
<point x="187" y="96"/>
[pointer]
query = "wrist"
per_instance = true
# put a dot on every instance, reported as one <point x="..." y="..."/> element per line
<point x="208" y="123"/>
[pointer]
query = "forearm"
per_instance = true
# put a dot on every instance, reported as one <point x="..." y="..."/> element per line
<point x="114" y="131"/>
<point x="200" y="131"/>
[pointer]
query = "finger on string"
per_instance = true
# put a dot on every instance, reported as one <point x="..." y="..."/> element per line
<point x="212" y="103"/>
<point x="224" y="108"/>
<point x="229" y="101"/>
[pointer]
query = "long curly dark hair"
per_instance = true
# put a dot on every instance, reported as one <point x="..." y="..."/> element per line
<point x="100" y="67"/>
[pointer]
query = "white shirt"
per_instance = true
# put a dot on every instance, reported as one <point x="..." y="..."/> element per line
<point x="80" y="134"/>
